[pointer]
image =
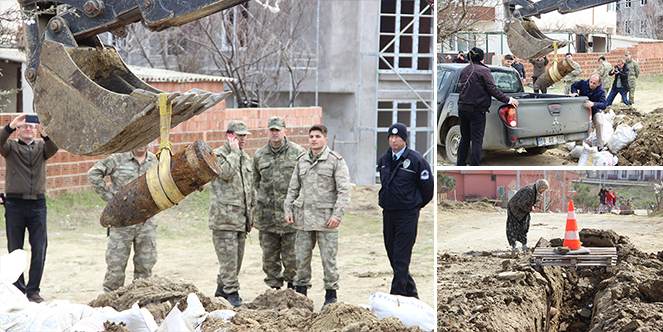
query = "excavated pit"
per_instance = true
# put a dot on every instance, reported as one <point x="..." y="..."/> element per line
<point x="501" y="291"/>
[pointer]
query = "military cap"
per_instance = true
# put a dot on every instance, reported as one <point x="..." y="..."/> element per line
<point x="238" y="127"/>
<point x="276" y="122"/>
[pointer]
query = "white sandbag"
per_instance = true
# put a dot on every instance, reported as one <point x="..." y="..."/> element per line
<point x="13" y="265"/>
<point x="637" y="126"/>
<point x="592" y="157"/>
<point x="175" y="322"/>
<point x="622" y="137"/>
<point x="11" y="298"/>
<point x="608" y="123"/>
<point x="195" y="313"/>
<point x="136" y="319"/>
<point x="226" y="315"/>
<point x="570" y="145"/>
<point x="576" y="152"/>
<point x="408" y="310"/>
<point x="88" y="324"/>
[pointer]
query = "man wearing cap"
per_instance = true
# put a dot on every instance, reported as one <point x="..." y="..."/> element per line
<point x="318" y="194"/>
<point x="573" y="76"/>
<point x="604" y="72"/>
<point x="477" y="86"/>
<point x="272" y="166"/>
<point x="407" y="186"/>
<point x="518" y="212"/>
<point x="633" y="73"/>
<point x="230" y="210"/>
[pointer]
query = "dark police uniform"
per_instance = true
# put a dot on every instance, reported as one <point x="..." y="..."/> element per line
<point x="407" y="186"/>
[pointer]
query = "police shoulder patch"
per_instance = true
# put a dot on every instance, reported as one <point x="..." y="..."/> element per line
<point x="425" y="175"/>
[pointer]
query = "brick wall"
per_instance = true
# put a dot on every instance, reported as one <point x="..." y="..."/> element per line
<point x="648" y="55"/>
<point x="66" y="172"/>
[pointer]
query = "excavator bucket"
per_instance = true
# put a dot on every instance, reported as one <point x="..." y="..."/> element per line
<point x="90" y="103"/>
<point x="526" y="41"/>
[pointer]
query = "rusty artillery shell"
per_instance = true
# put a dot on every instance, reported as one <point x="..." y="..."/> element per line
<point x="553" y="74"/>
<point x="190" y="168"/>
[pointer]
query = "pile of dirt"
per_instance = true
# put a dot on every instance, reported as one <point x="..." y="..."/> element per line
<point x="504" y="292"/>
<point x="447" y="205"/>
<point x="647" y="148"/>
<point x="273" y="311"/>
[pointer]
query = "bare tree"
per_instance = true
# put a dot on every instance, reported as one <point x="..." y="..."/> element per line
<point x="266" y="50"/>
<point x="454" y="16"/>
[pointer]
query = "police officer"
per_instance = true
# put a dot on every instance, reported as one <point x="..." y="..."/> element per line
<point x="318" y="194"/>
<point x="230" y="210"/>
<point x="273" y="165"/>
<point x="407" y="186"/>
<point x="123" y="168"/>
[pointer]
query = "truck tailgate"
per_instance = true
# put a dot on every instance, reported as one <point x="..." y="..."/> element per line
<point x="558" y="115"/>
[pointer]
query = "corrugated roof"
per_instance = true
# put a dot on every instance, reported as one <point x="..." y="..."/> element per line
<point x="163" y="75"/>
<point x="144" y="73"/>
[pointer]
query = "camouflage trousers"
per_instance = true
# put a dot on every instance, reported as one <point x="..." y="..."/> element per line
<point x="567" y="87"/>
<point x="278" y="250"/>
<point x="143" y="237"/>
<point x="304" y="246"/>
<point x="229" y="246"/>
<point x="631" y="92"/>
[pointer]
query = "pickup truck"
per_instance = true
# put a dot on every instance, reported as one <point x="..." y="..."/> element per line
<point x="541" y="121"/>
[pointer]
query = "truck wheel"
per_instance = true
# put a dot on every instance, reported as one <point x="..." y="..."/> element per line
<point x="537" y="149"/>
<point x="451" y="143"/>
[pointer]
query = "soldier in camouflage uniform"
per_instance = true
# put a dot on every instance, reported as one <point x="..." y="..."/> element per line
<point x="272" y="166"/>
<point x="573" y="76"/>
<point x="122" y="169"/>
<point x="318" y="195"/>
<point x="633" y="73"/>
<point x="230" y="210"/>
<point x="604" y="71"/>
<point x="518" y="209"/>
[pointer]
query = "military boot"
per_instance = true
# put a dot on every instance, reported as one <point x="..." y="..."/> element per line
<point x="291" y="285"/>
<point x="301" y="290"/>
<point x="234" y="299"/>
<point x="220" y="293"/>
<point x="330" y="297"/>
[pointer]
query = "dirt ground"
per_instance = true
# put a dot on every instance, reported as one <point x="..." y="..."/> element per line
<point x="75" y="262"/>
<point x="483" y="286"/>
<point x="646" y="109"/>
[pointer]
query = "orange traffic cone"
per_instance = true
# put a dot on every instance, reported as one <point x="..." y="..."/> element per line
<point x="571" y="236"/>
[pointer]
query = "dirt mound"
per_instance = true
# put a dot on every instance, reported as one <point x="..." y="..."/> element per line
<point x="647" y="148"/>
<point x="280" y="300"/>
<point x="491" y="293"/>
<point x="273" y="311"/>
<point x="455" y="206"/>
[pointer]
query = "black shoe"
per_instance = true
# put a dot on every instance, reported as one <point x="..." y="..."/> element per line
<point x="36" y="298"/>
<point x="276" y="287"/>
<point x="234" y="299"/>
<point x="301" y="290"/>
<point x="330" y="297"/>
<point x="220" y="293"/>
<point x="291" y="285"/>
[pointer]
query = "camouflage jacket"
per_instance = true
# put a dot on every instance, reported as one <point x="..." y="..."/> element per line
<point x="604" y="72"/>
<point x="319" y="189"/>
<point x="231" y="198"/>
<point x="633" y="69"/>
<point x="521" y="203"/>
<point x="122" y="169"/>
<point x="273" y="170"/>
<point x="575" y="74"/>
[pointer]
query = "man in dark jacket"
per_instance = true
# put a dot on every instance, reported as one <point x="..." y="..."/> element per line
<point x="519" y="67"/>
<point x="539" y="68"/>
<point x="620" y="84"/>
<point x="460" y="58"/>
<point x="407" y="186"/>
<point x="477" y="86"/>
<point x="25" y="204"/>
<point x="593" y="89"/>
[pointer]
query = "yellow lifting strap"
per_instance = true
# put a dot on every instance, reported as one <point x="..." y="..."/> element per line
<point x="159" y="180"/>
<point x="554" y="71"/>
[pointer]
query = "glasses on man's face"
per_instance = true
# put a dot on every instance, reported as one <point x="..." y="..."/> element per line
<point x="28" y="127"/>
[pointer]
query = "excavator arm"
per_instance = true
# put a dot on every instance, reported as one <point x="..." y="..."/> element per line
<point x="87" y="99"/>
<point x="525" y="40"/>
